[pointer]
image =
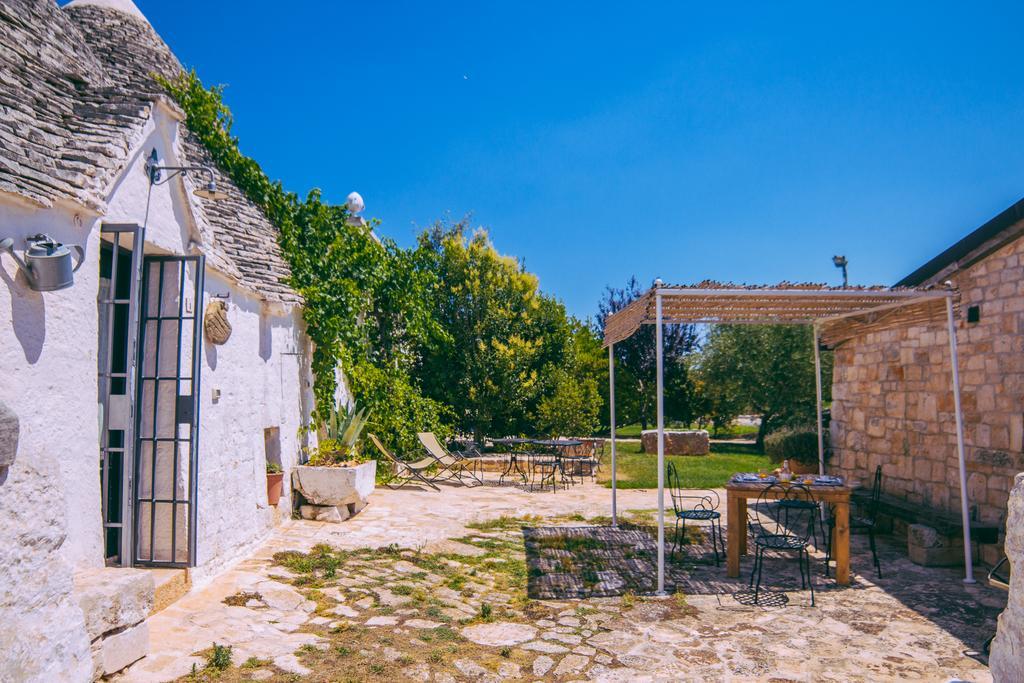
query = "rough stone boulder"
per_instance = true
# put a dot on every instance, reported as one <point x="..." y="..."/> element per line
<point x="1008" y="647"/>
<point x="688" y="442"/>
<point x="8" y="439"/>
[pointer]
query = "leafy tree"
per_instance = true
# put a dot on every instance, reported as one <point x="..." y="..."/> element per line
<point x="636" y="364"/>
<point x="764" y="369"/>
<point x="504" y="338"/>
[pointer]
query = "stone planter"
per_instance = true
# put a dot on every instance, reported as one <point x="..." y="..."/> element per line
<point x="333" y="494"/>
<point x="275" y="484"/>
<point x="688" y="442"/>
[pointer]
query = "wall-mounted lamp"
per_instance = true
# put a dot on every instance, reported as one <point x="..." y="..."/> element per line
<point x="155" y="173"/>
<point x="47" y="263"/>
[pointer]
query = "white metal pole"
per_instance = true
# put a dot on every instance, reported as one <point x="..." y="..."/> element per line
<point x="817" y="389"/>
<point x="659" y="353"/>
<point x="611" y="414"/>
<point x="965" y="510"/>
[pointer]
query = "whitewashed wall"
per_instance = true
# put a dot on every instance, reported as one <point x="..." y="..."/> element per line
<point x="50" y="501"/>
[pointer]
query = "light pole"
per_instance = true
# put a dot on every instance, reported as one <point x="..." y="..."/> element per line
<point x="840" y="262"/>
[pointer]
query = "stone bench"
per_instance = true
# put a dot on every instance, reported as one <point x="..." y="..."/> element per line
<point x="678" y="442"/>
<point x="934" y="537"/>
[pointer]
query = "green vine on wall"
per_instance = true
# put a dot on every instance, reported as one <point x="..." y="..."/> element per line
<point x="365" y="306"/>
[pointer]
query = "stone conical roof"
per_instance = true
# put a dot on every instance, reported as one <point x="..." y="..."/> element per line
<point x="76" y="92"/>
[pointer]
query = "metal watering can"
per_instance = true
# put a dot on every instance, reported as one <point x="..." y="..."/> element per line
<point x="47" y="263"/>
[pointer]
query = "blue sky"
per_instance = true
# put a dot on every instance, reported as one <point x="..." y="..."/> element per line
<point x="601" y="140"/>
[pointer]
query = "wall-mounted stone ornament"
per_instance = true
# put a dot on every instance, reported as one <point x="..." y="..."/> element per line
<point x="215" y="322"/>
<point x="8" y="440"/>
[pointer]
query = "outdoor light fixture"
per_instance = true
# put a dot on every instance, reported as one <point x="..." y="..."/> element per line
<point x="155" y="173"/>
<point x="355" y="204"/>
<point x="840" y="262"/>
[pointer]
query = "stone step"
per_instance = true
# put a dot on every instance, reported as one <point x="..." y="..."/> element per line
<point x="171" y="584"/>
<point x="115" y="603"/>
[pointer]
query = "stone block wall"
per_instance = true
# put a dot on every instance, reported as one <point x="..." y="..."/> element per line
<point x="893" y="402"/>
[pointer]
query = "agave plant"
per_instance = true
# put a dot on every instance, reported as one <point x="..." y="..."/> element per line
<point x="340" y="434"/>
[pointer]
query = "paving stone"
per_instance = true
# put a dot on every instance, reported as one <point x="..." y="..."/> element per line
<point x="571" y="664"/>
<point x="509" y="670"/>
<point x="261" y="674"/>
<point x="467" y="667"/>
<point x="344" y="611"/>
<point x="585" y="650"/>
<point x="291" y="664"/>
<point x="542" y="665"/>
<point x="279" y="596"/>
<point x="545" y="646"/>
<point x="499" y="634"/>
<point x="422" y="623"/>
<point x="567" y="638"/>
<point x="382" y="621"/>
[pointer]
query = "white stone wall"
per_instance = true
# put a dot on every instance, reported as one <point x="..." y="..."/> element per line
<point x="50" y="500"/>
<point x="261" y="377"/>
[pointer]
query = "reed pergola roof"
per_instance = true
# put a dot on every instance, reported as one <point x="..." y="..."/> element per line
<point x="840" y="313"/>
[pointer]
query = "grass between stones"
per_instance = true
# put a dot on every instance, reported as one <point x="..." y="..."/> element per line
<point x="391" y="614"/>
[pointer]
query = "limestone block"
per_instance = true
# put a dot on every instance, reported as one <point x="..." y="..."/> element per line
<point x="335" y="485"/>
<point x="928" y="548"/>
<point x="113" y="598"/>
<point x="324" y="513"/>
<point x="8" y="439"/>
<point x="123" y="648"/>
<point x="689" y="442"/>
<point x="1008" y="647"/>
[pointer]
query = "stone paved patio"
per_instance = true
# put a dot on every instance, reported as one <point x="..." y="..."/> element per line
<point x="442" y="586"/>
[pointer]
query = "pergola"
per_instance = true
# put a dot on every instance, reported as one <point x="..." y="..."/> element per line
<point x="836" y="315"/>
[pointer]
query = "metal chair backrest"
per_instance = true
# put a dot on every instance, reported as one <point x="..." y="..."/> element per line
<point x="796" y="521"/>
<point x="876" y="495"/>
<point x="689" y="499"/>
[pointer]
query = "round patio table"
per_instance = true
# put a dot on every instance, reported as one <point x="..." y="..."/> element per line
<point x="513" y="457"/>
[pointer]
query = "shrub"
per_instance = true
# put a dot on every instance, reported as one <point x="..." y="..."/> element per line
<point x="799" y="444"/>
<point x="219" y="657"/>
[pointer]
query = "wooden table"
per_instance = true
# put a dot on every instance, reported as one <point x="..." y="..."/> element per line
<point x="837" y="496"/>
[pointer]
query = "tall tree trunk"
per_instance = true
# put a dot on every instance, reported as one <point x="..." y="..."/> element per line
<point x="762" y="431"/>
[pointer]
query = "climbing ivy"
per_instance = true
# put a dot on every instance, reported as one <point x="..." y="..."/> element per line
<point x="365" y="306"/>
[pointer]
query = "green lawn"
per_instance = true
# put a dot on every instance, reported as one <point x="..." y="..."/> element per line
<point x="640" y="470"/>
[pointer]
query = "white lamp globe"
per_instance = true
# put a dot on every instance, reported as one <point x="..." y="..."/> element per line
<point x="354" y="202"/>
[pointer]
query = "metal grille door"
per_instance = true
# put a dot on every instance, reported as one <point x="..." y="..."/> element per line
<point x="167" y="416"/>
<point x="120" y="270"/>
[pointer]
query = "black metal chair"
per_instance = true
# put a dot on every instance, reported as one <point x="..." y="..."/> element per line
<point x="786" y="528"/>
<point x="696" y="505"/>
<point x="864" y="519"/>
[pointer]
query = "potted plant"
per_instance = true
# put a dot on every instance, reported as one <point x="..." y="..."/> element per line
<point x="275" y="483"/>
<point x="798" y="445"/>
<point x="338" y="478"/>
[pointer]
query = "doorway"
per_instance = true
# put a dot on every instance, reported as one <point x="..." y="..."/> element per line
<point x="150" y="329"/>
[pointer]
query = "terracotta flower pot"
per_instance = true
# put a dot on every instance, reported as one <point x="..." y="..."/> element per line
<point x="275" y="485"/>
